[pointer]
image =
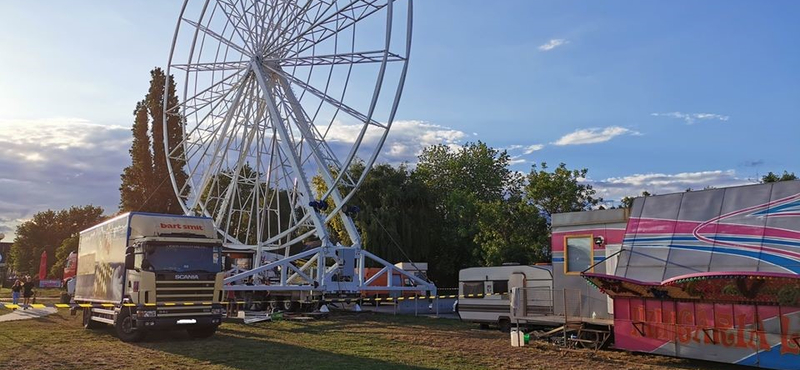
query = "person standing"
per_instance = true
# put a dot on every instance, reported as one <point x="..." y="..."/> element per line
<point x="16" y="290"/>
<point x="27" y="291"/>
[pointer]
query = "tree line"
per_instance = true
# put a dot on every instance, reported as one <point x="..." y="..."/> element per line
<point x="462" y="207"/>
<point x="457" y="207"/>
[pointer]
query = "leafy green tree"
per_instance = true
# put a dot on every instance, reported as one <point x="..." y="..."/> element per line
<point x="772" y="177"/>
<point x="512" y="230"/>
<point x="461" y="181"/>
<point x="46" y="231"/>
<point x="397" y="217"/>
<point x="560" y="190"/>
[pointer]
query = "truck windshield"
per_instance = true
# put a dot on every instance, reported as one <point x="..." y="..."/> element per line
<point x="183" y="258"/>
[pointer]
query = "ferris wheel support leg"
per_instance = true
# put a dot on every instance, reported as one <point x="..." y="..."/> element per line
<point x="285" y="142"/>
<point x="324" y="166"/>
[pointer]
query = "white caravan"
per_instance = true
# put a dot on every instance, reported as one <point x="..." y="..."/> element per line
<point x="484" y="292"/>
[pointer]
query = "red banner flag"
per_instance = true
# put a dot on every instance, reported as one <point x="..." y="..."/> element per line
<point x="43" y="266"/>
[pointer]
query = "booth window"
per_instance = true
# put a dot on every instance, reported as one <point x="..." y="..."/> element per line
<point x="473" y="287"/>
<point x="577" y="253"/>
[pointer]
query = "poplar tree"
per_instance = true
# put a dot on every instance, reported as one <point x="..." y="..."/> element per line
<point x="136" y="177"/>
<point x="164" y="193"/>
<point x="146" y="184"/>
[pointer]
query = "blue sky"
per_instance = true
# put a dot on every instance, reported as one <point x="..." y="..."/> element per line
<point x="648" y="95"/>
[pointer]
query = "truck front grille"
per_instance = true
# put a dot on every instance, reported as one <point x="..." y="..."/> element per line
<point x="184" y="291"/>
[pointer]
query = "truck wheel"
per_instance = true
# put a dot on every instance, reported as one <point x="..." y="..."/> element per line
<point x="88" y="323"/>
<point x="125" y="328"/>
<point x="290" y="306"/>
<point x="202" y="332"/>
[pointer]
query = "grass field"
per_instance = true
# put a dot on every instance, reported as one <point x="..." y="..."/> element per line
<point x="5" y="293"/>
<point x="346" y="341"/>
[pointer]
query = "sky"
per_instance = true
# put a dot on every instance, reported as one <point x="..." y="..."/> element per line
<point x="648" y="95"/>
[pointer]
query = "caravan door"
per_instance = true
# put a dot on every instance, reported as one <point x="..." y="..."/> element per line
<point x="517" y="280"/>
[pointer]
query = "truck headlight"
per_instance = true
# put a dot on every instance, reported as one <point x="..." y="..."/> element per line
<point x="146" y="313"/>
<point x="217" y="311"/>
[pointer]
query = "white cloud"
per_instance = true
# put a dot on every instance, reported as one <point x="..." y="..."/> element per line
<point x="512" y="160"/>
<point x="405" y="142"/>
<point x="616" y="188"/>
<point x="552" y="44"/>
<point x="691" y="118"/>
<point x="532" y="148"/>
<point x="57" y="163"/>
<point x="593" y="135"/>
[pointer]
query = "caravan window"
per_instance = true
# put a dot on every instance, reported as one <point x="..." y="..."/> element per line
<point x="577" y="253"/>
<point x="473" y="287"/>
<point x="500" y="286"/>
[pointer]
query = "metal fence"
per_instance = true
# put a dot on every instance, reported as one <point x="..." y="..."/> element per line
<point x="541" y="301"/>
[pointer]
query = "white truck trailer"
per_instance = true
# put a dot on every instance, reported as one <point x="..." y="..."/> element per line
<point x="139" y="271"/>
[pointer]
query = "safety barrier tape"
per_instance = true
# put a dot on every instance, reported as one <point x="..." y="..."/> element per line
<point x="243" y="302"/>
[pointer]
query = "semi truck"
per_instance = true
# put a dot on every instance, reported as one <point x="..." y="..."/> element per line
<point x="139" y="270"/>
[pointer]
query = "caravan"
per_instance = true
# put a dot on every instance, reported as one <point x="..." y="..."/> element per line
<point x="484" y="292"/>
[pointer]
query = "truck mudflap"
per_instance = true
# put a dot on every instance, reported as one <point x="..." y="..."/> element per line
<point x="178" y="323"/>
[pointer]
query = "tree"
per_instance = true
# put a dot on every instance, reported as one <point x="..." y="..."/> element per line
<point x="146" y="184"/>
<point x="164" y="194"/>
<point x="627" y="202"/>
<point x="772" y="177"/>
<point x="397" y="220"/>
<point x="135" y="178"/>
<point x="559" y="191"/>
<point x="67" y="246"/>
<point x="460" y="181"/>
<point x="512" y="230"/>
<point x="47" y="231"/>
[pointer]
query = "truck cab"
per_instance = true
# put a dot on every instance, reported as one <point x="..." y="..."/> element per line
<point x="170" y="272"/>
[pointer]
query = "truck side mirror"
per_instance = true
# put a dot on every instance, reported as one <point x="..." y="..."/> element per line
<point x="130" y="258"/>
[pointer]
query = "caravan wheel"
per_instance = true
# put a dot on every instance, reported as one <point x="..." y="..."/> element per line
<point x="505" y="325"/>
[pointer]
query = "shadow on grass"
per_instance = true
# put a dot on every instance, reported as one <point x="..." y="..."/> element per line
<point x="247" y="350"/>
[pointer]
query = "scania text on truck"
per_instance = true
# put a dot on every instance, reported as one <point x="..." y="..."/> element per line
<point x="141" y="268"/>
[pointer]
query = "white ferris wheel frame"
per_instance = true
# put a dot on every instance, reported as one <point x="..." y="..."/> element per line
<point x="260" y="88"/>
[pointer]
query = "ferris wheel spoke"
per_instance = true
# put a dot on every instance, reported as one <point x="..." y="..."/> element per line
<point x="213" y="66"/>
<point x="285" y="25"/>
<point x="219" y="154"/>
<point x="218" y="37"/>
<point x="338" y="59"/>
<point x="330" y="100"/>
<point x="280" y="33"/>
<point x="331" y="24"/>
<point x="206" y="102"/>
<point x="233" y="12"/>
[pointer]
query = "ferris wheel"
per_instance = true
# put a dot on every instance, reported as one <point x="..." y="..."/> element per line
<point x="284" y="105"/>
